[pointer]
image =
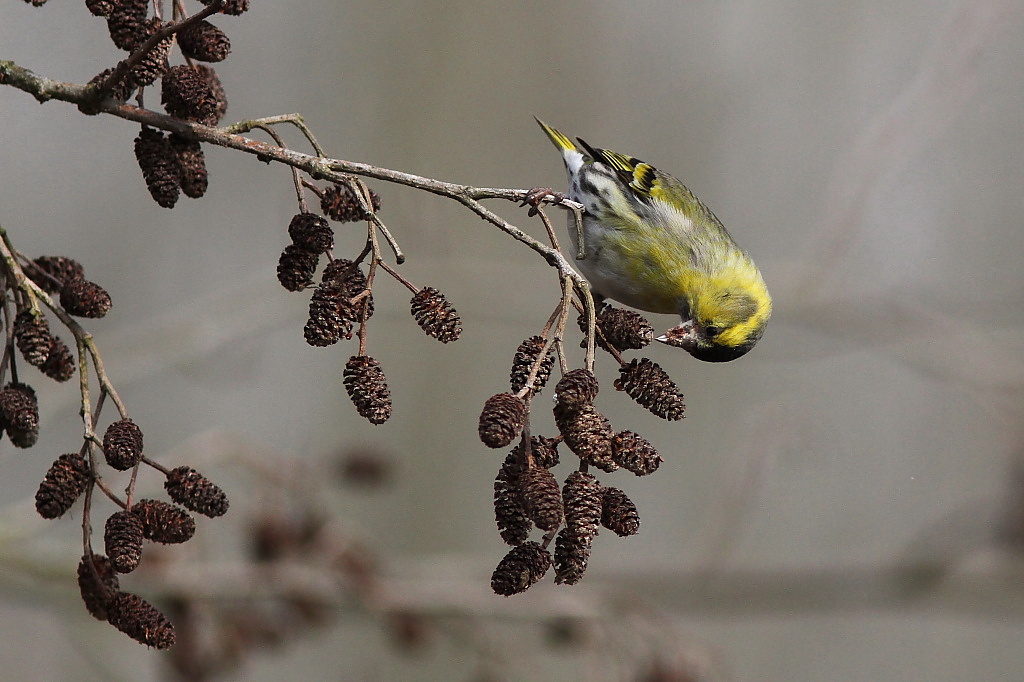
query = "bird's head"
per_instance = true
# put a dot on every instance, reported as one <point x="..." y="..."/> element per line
<point x="722" y="321"/>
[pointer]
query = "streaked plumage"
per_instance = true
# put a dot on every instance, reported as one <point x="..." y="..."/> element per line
<point x="651" y="244"/>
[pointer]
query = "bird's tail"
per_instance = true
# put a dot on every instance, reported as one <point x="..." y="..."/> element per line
<point x="558" y="139"/>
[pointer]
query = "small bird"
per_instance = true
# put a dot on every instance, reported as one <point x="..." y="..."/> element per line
<point x="649" y="243"/>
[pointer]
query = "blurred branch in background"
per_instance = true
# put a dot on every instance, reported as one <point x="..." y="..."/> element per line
<point x="952" y="342"/>
<point x="945" y="84"/>
<point x="299" y="568"/>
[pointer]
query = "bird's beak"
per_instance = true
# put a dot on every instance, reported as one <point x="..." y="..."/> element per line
<point x="681" y="336"/>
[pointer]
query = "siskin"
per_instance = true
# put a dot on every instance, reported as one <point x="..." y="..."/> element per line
<point x="649" y="243"/>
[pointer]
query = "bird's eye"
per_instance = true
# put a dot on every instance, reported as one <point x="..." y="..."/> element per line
<point x="712" y="330"/>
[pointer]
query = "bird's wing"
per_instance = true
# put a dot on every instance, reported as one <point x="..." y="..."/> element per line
<point x="642" y="178"/>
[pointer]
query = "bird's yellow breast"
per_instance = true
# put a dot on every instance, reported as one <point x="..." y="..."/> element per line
<point x="675" y="267"/>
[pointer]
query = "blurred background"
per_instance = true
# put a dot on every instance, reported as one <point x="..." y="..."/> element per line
<point x="844" y="503"/>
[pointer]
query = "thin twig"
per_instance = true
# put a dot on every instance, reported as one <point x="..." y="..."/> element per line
<point x="563" y="314"/>
<point x="297" y="179"/>
<point x="391" y="271"/>
<point x="583" y="291"/>
<point x="600" y="334"/>
<point x="550" y="230"/>
<point x="365" y="199"/>
<point x="292" y="119"/>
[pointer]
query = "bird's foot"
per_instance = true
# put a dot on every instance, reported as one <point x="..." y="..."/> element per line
<point x="538" y="195"/>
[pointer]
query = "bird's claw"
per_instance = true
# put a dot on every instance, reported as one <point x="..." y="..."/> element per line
<point x="538" y="195"/>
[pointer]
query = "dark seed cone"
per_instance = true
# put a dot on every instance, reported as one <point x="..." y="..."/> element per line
<point x="100" y="8"/>
<point x="97" y="587"/>
<point x="231" y="6"/>
<point x="337" y="304"/>
<point x="192" y="165"/>
<point x="572" y="552"/>
<point x="159" y="166"/>
<point x="187" y="94"/>
<point x="345" y="274"/>
<point x="216" y="88"/>
<point x="339" y="203"/>
<point x="60" y="363"/>
<point x="122" y="90"/>
<point x="513" y="524"/>
<point x="520" y="569"/>
<point x="348" y="282"/>
<point x="544" y="451"/>
<point x="296" y="267"/>
<point x="501" y="420"/>
<point x="83" y="298"/>
<point x="195" y="492"/>
<point x="621" y="329"/>
<point x="154" y="64"/>
<point x="366" y="385"/>
<point x="650" y="386"/>
<point x="582" y="497"/>
<point x="311" y="232"/>
<point x="588" y="434"/>
<point x="51" y="273"/>
<point x="576" y="389"/>
<point x="126" y="22"/>
<point x="32" y="334"/>
<point x="514" y="465"/>
<point x="541" y="500"/>
<point x="164" y="523"/>
<point x="527" y="354"/>
<point x="122" y="444"/>
<point x="435" y="315"/>
<point x="204" y="42"/>
<point x="63" y="483"/>
<point x="634" y="453"/>
<point x="122" y="539"/>
<point x="618" y="513"/>
<point x="326" y="324"/>
<point x="140" y="620"/>
<point x="19" y="414"/>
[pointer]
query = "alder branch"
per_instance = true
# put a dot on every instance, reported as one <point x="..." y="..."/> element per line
<point x="46" y="89"/>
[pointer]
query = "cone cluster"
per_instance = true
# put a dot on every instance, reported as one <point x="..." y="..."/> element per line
<point x="526" y="492"/>
<point x="173" y="164"/>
